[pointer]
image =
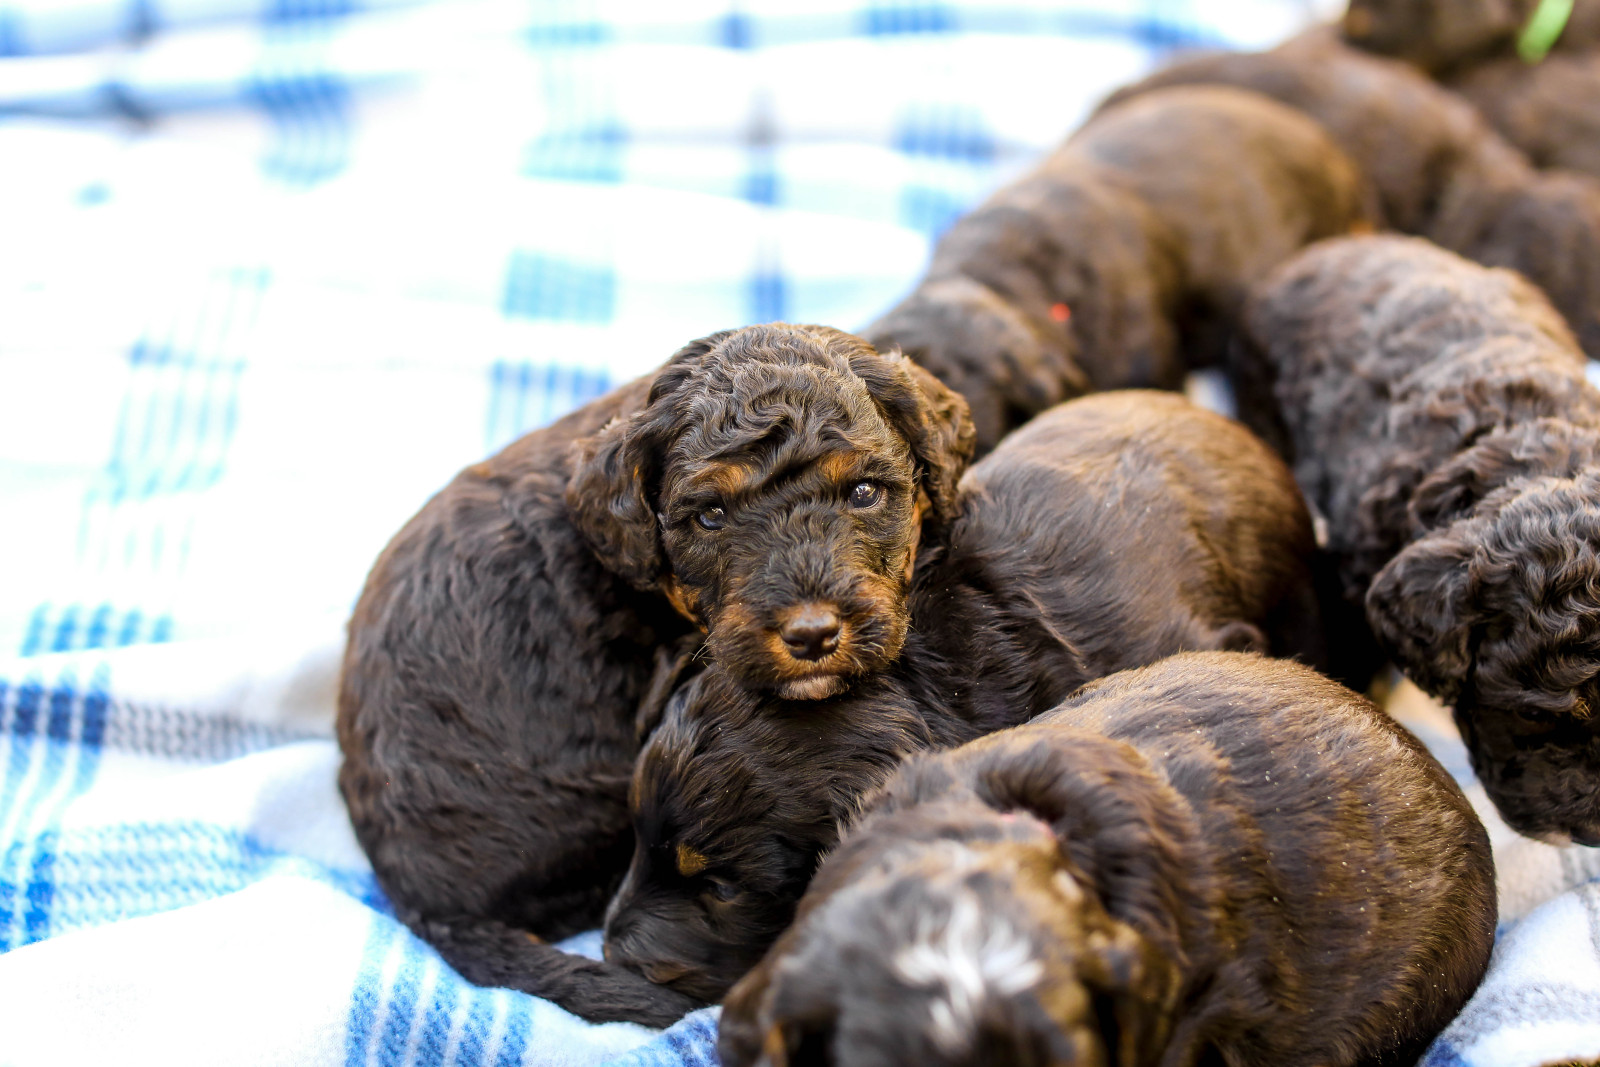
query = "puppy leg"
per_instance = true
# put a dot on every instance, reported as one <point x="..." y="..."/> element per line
<point x="490" y="953"/>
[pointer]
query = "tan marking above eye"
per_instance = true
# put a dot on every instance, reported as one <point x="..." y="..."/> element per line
<point x="690" y="862"/>
<point x="840" y="467"/>
<point x="728" y="479"/>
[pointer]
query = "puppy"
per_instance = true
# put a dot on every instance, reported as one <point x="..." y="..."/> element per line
<point x="1438" y="170"/>
<point x="1442" y="36"/>
<point x="1116" y="261"/>
<point x="1437" y="415"/>
<point x="1550" y="110"/>
<point x="769" y="483"/>
<point x="1107" y="533"/>
<point x="1215" y="859"/>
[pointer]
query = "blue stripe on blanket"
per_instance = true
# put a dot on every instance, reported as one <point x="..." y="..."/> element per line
<point x="81" y="878"/>
<point x="53" y="628"/>
<point x="690" y="1042"/>
<point x="45" y="769"/>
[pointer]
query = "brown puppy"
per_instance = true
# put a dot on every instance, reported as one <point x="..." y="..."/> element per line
<point x="1438" y="416"/>
<point x="498" y="660"/>
<point x="1439" y="171"/>
<point x="1108" y="532"/>
<point x="1442" y="36"/>
<point x="1550" y="110"/>
<point x="1218" y="859"/>
<point x="1116" y="262"/>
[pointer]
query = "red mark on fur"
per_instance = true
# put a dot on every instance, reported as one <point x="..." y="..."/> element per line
<point x="1060" y="312"/>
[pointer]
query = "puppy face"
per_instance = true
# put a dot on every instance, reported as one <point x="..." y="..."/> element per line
<point x="734" y="800"/>
<point x="774" y="489"/>
<point x="950" y="935"/>
<point x="1499" y="615"/>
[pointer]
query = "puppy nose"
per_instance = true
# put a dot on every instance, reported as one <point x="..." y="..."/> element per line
<point x="811" y="632"/>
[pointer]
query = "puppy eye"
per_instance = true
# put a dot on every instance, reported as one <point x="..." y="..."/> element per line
<point x="865" y="495"/>
<point x="726" y="892"/>
<point x="711" y="518"/>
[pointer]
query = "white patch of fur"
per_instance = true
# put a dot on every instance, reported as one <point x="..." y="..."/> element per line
<point x="973" y="956"/>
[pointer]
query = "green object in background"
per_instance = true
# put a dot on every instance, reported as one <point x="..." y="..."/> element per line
<point x="1543" y="29"/>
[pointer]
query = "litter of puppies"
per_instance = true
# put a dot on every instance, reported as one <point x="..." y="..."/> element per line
<point x="1036" y="759"/>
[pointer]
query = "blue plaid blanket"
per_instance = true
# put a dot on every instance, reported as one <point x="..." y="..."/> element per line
<point x="270" y="272"/>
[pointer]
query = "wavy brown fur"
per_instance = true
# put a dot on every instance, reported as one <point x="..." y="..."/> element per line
<point x="1438" y="416"/>
<point x="1215" y="859"/>
<point x="1117" y="261"/>
<point x="1438" y="170"/>
<point x="1109" y="532"/>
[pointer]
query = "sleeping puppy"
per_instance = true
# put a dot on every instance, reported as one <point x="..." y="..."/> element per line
<point x="1437" y="168"/>
<point x="1438" y="417"/>
<point x="1217" y="859"/>
<point x="1107" y="533"/>
<point x="1116" y="261"/>
<point x="1442" y="36"/>
<point x="769" y="483"/>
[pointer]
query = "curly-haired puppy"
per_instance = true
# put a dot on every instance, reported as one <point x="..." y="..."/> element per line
<point x="1442" y="36"/>
<point x="1108" y="532"/>
<point x="1438" y="170"/>
<point x="1438" y="416"/>
<point x="1217" y="859"/>
<point x="767" y="481"/>
<point x="1114" y="263"/>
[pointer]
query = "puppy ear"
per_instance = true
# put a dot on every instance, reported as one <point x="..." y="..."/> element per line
<point x="932" y="418"/>
<point x="611" y="493"/>
<point x="1420" y="608"/>
<point x="1544" y="447"/>
<point x="1126" y="830"/>
<point x="1236" y="635"/>
<point x="608" y="499"/>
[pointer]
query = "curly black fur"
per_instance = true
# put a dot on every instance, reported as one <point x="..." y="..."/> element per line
<point x="502" y="668"/>
<point x="1107" y="533"/>
<point x="1116" y="262"/>
<point x="1437" y="414"/>
<point x="1215" y="859"/>
<point x="1438" y="170"/>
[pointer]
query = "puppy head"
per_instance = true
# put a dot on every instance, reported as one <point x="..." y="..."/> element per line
<point x="1008" y="367"/>
<point x="774" y="488"/>
<point x="1435" y="34"/>
<point x="735" y="798"/>
<point x="947" y="935"/>
<point x="1498" y="613"/>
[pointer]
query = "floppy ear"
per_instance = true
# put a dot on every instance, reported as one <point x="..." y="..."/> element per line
<point x="611" y="493"/>
<point x="1120" y="825"/>
<point x="932" y="417"/>
<point x="608" y="500"/>
<point x="1420" y="608"/>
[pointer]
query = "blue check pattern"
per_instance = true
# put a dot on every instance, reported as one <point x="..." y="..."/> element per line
<point x="270" y="272"/>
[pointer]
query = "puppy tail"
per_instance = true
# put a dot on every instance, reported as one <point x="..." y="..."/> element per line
<point x="490" y="953"/>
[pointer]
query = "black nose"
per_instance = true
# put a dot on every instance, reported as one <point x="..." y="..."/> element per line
<point x="811" y="632"/>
